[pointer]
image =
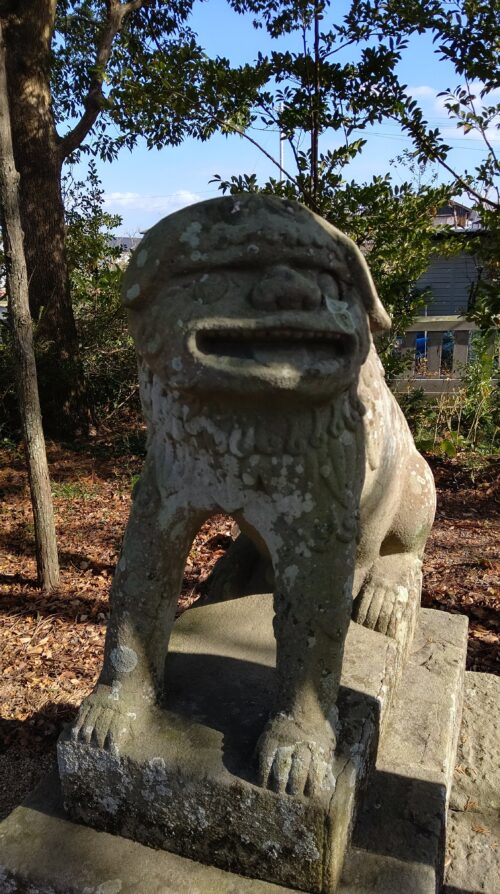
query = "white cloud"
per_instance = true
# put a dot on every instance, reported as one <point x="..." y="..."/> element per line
<point x="425" y="92"/>
<point x="456" y="133"/>
<point x="119" y="202"/>
<point x="437" y="112"/>
<point x="490" y="98"/>
<point x="422" y="91"/>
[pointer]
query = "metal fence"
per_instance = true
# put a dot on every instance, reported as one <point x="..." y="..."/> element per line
<point x="437" y="349"/>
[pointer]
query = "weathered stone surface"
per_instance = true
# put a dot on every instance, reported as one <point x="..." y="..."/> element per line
<point x="265" y="399"/>
<point x="473" y="853"/>
<point x="397" y="838"/>
<point x="42" y="852"/>
<point x="189" y="783"/>
<point x="435" y="678"/>
<point x="398" y="841"/>
<point x="476" y="784"/>
<point x="473" y="833"/>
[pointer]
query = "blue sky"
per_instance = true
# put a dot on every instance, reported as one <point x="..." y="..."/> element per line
<point x="142" y="186"/>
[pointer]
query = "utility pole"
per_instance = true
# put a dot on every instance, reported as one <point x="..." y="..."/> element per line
<point x="282" y="146"/>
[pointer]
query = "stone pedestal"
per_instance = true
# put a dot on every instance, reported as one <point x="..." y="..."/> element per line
<point x="187" y="784"/>
<point x="473" y="830"/>
<point x="398" y="844"/>
<point x="398" y="838"/>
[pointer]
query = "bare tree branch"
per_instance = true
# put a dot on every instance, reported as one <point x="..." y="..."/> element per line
<point x="420" y="142"/>
<point x="116" y="15"/>
<point x="226" y="125"/>
<point x="480" y="125"/>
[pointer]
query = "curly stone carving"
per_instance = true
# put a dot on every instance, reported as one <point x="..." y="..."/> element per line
<point x="265" y="399"/>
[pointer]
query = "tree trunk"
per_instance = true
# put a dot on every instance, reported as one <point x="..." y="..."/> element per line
<point x="22" y="334"/>
<point x="38" y="160"/>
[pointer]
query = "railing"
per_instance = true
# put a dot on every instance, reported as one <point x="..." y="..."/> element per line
<point x="437" y="358"/>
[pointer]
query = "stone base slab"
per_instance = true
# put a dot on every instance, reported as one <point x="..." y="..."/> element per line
<point x="398" y="837"/>
<point x="399" y="840"/>
<point x="188" y="784"/>
<point x="42" y="852"/>
<point x="472" y="862"/>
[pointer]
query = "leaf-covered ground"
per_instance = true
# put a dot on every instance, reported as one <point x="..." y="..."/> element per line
<point x="51" y="647"/>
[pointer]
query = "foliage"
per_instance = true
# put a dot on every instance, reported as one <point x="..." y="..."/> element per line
<point x="95" y="267"/>
<point x="344" y="80"/>
<point x="92" y="256"/>
<point x="466" y="421"/>
<point x="146" y="77"/>
<point x="320" y="99"/>
<point x="467" y="34"/>
<point x="89" y="76"/>
<point x="124" y="71"/>
<point x="485" y="300"/>
<point x="323" y="89"/>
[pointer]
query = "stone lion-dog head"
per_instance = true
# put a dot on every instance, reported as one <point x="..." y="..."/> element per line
<point x="251" y="295"/>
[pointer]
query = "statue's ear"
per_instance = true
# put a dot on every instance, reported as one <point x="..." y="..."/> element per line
<point x="380" y="320"/>
<point x="138" y="278"/>
<point x="141" y="276"/>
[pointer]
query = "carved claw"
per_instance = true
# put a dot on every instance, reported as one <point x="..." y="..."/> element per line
<point x="384" y="604"/>
<point x="294" y="763"/>
<point x="102" y="721"/>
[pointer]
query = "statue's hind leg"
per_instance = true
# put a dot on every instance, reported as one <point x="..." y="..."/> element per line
<point x="143" y="602"/>
<point x="389" y="595"/>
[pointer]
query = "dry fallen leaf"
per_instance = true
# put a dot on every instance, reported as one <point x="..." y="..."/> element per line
<point x="52" y="646"/>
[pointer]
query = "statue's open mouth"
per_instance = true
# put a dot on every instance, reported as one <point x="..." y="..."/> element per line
<point x="274" y="345"/>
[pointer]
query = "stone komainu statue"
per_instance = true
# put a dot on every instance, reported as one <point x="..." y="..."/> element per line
<point x="265" y="399"/>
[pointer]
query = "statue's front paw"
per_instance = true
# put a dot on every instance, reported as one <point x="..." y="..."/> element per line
<point x="293" y="761"/>
<point x="103" y="720"/>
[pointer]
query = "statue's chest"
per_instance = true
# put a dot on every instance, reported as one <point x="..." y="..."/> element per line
<point x="255" y="467"/>
<point x="228" y="480"/>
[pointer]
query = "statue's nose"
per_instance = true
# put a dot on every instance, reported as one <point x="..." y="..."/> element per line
<point x="282" y="288"/>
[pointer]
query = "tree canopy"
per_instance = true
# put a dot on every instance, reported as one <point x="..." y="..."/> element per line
<point x="343" y="79"/>
<point x="98" y="75"/>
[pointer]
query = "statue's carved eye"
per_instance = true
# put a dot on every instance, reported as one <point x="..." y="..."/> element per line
<point x="211" y="287"/>
<point x="329" y="286"/>
<point x="175" y="293"/>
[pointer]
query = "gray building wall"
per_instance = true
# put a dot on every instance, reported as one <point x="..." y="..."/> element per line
<point x="450" y="281"/>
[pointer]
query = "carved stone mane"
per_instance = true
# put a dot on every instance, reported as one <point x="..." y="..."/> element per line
<point x="265" y="400"/>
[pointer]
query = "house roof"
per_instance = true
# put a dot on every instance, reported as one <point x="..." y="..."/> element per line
<point x="451" y="207"/>
<point x="126" y="243"/>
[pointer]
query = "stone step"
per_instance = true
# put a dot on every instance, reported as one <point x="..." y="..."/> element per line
<point x="187" y="782"/>
<point x="42" y="852"/>
<point x="398" y="838"/>
<point x="398" y="841"/>
<point x="472" y="864"/>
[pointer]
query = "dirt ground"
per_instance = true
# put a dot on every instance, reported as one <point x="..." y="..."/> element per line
<point x="51" y="647"/>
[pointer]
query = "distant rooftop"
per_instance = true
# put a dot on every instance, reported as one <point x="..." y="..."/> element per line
<point x="454" y="208"/>
<point x="458" y="216"/>
<point x="126" y="243"/>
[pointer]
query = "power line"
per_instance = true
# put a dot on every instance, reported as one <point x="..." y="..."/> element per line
<point x="404" y="138"/>
<point x="397" y="135"/>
